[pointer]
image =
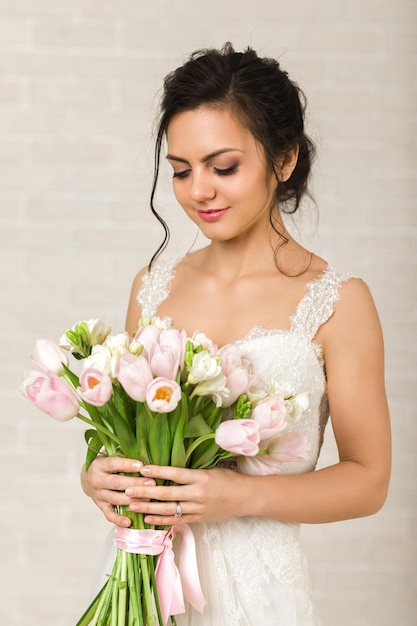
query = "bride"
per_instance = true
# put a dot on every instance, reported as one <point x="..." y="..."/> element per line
<point x="233" y="124"/>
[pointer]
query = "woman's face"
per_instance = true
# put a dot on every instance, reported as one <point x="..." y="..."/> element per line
<point x="220" y="176"/>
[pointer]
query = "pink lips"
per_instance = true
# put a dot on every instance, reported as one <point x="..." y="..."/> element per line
<point x="211" y="215"/>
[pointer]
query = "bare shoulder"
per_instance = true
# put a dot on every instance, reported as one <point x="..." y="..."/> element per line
<point x="355" y="301"/>
<point x="355" y="324"/>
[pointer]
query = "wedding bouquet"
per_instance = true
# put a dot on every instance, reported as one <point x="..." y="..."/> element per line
<point x="166" y="399"/>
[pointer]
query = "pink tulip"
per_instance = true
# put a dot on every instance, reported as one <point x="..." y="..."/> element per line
<point x="135" y="375"/>
<point x="51" y="394"/>
<point x="164" y="349"/>
<point x="164" y="362"/>
<point x="148" y="337"/>
<point x="163" y="395"/>
<point x="270" y="414"/>
<point x="240" y="436"/>
<point x="95" y="387"/>
<point x="258" y="465"/>
<point x="176" y="340"/>
<point x="237" y="372"/>
<point x="49" y="357"/>
<point x="293" y="446"/>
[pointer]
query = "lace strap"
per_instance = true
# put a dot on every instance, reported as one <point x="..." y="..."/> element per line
<point x="317" y="306"/>
<point x="155" y="286"/>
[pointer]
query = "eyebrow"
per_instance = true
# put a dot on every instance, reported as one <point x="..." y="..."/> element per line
<point x="206" y="158"/>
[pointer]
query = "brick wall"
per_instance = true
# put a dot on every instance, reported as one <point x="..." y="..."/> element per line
<point x="77" y="97"/>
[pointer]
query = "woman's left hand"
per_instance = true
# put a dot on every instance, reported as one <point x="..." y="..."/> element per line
<point x="203" y="495"/>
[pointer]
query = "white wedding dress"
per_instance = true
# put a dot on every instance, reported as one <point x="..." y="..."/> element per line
<point x="252" y="570"/>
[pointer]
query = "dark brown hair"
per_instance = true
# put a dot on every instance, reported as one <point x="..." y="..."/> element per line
<point x="263" y="98"/>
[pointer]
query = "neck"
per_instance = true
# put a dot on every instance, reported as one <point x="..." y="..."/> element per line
<point x="242" y="256"/>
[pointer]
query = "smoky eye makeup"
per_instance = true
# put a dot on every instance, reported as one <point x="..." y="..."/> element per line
<point x="181" y="175"/>
<point x="226" y="171"/>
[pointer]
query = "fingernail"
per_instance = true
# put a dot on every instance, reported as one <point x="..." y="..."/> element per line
<point x="137" y="465"/>
<point x="130" y="491"/>
<point x="145" y="470"/>
<point x="149" y="483"/>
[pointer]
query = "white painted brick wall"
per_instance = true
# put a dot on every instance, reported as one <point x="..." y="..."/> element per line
<point x="78" y="83"/>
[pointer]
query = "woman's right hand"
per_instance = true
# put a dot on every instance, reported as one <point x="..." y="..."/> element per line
<point x="106" y="481"/>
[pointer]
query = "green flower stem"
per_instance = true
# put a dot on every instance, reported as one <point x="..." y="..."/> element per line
<point x="123" y="589"/>
<point x="94" y="607"/>
<point x="102" y="429"/>
<point x="146" y="589"/>
<point x="146" y="582"/>
<point x="135" y="617"/>
<point x="105" y="595"/>
<point x="115" y="590"/>
<point x="151" y="562"/>
<point x="196" y="443"/>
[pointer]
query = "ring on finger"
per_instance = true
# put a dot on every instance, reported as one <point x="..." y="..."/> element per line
<point x="178" y="510"/>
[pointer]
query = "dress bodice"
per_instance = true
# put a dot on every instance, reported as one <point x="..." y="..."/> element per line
<point x="288" y="358"/>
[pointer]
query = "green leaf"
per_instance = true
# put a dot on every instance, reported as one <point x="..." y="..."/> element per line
<point x="70" y="376"/>
<point x="197" y="426"/>
<point x="160" y="440"/>
<point x="142" y="432"/>
<point x="178" y="430"/>
<point x="94" y="444"/>
<point x="124" y="433"/>
<point x="203" y="454"/>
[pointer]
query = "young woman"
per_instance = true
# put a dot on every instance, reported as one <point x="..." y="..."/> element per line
<point x="234" y="131"/>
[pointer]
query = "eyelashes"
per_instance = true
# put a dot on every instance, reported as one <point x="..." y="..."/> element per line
<point x="181" y="175"/>
<point x="228" y="171"/>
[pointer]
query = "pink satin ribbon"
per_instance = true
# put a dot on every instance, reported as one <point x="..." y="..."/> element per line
<point x="172" y="582"/>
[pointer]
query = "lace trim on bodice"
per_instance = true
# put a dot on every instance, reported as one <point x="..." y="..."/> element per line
<point x="155" y="286"/>
<point x="313" y="310"/>
<point x="317" y="306"/>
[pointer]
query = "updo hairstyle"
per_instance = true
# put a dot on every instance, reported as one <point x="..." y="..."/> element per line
<point x="261" y="96"/>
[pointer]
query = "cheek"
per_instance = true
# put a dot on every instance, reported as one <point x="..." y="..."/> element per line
<point x="179" y="192"/>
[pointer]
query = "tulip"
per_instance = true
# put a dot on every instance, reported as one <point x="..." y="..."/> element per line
<point x="296" y="406"/>
<point x="240" y="436"/>
<point x="236" y="370"/>
<point x="293" y="446"/>
<point x="214" y="387"/>
<point x="270" y="414"/>
<point x="176" y="340"/>
<point x="200" y="339"/>
<point x="117" y="344"/>
<point x="148" y="337"/>
<point x="51" y="394"/>
<point x="204" y="367"/>
<point x="99" y="359"/>
<point x="206" y="373"/>
<point x="258" y="465"/>
<point x="49" y="357"/>
<point x="163" y="395"/>
<point x="134" y="374"/>
<point x="95" y="387"/>
<point x="83" y="336"/>
<point x="164" y="362"/>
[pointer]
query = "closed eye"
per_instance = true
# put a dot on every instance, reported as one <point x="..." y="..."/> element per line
<point x="228" y="171"/>
<point x="181" y="175"/>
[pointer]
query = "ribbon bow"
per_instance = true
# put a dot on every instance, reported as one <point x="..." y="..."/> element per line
<point x="172" y="582"/>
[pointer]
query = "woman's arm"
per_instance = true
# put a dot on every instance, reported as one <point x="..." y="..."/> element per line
<point x="354" y="487"/>
<point x="104" y="481"/>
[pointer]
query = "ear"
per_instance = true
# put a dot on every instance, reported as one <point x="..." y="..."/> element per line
<point x="288" y="163"/>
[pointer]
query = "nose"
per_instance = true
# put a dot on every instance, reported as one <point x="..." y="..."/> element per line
<point x="202" y="187"/>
